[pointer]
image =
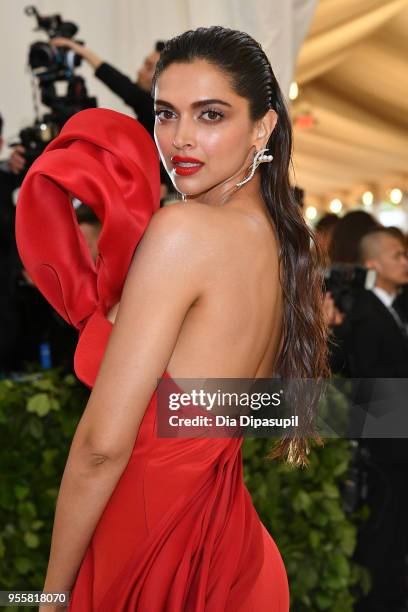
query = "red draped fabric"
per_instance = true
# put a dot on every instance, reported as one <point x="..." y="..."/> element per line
<point x="109" y="162"/>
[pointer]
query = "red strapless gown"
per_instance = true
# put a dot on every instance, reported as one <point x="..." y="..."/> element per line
<point x="180" y="532"/>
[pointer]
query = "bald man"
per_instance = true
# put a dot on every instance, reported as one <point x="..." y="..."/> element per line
<point x="379" y="342"/>
<point x="378" y="348"/>
<point x="385" y="252"/>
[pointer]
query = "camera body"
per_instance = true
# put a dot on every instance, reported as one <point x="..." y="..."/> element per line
<point x="47" y="62"/>
<point x="50" y="65"/>
<point x="344" y="280"/>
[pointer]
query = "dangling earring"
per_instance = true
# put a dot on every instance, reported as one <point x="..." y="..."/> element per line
<point x="183" y="197"/>
<point x="259" y="158"/>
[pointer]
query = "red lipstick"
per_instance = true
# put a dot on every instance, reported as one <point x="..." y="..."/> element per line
<point x="185" y="166"/>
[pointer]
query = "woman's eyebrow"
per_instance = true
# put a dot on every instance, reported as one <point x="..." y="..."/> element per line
<point x="197" y="104"/>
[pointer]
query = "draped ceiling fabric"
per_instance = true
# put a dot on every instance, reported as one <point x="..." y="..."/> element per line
<point x="352" y="78"/>
<point x="280" y="27"/>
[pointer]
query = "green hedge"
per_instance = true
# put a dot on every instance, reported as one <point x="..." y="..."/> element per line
<point x="38" y="416"/>
<point x="300" y="507"/>
<point x="302" y="510"/>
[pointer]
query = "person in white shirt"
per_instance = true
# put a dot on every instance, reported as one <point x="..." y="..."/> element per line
<point x="382" y="251"/>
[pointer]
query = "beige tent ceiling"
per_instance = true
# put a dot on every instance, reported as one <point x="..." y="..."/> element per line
<point x="352" y="78"/>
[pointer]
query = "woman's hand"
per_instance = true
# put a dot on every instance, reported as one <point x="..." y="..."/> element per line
<point x="94" y="60"/>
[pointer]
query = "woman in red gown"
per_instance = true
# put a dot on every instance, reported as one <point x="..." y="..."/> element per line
<point x="222" y="284"/>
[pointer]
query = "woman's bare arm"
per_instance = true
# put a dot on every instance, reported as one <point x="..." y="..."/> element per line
<point x="164" y="279"/>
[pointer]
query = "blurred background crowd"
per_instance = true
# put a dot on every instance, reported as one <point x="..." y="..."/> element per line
<point x="341" y="66"/>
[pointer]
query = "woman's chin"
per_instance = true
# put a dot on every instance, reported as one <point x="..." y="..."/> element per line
<point x="189" y="186"/>
<point x="195" y="186"/>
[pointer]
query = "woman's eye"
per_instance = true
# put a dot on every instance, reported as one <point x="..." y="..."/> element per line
<point x="163" y="114"/>
<point x="212" y="115"/>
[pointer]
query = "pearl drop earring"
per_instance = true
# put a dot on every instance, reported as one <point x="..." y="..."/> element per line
<point x="259" y="158"/>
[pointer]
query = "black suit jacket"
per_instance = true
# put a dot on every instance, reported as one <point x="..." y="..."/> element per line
<point x="376" y="346"/>
<point x="9" y="267"/>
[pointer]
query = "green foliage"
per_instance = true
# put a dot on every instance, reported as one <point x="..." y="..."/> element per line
<point x="38" y="417"/>
<point x="301" y="508"/>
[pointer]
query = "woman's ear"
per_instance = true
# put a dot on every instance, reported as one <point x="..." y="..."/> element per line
<point x="264" y="128"/>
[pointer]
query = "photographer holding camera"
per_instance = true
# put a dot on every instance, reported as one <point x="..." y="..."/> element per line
<point x="134" y="94"/>
<point x="345" y="276"/>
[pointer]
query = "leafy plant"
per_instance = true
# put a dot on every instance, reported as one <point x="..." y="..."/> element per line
<point x="302" y="509"/>
<point x="38" y="416"/>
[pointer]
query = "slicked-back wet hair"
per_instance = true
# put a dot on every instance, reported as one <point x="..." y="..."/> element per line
<point x="304" y="350"/>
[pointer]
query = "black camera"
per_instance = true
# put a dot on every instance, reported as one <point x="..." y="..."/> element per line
<point x="47" y="62"/>
<point x="344" y="281"/>
<point x="50" y="65"/>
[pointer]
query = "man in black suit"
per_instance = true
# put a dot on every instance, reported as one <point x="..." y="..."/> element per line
<point x="377" y="347"/>
<point x="379" y="343"/>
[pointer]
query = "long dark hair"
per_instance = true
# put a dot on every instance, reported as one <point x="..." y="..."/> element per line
<point x="304" y="349"/>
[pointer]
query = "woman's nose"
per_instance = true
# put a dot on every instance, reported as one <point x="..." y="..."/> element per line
<point x="184" y="135"/>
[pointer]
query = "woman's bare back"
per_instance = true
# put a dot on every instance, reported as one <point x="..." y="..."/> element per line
<point x="235" y="328"/>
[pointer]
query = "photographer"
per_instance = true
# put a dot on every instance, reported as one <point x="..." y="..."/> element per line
<point x="344" y="277"/>
<point x="134" y="94"/>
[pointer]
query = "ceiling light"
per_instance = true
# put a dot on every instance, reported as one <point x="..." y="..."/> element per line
<point x="311" y="212"/>
<point x="336" y="205"/>
<point x="293" y="90"/>
<point x="395" y="196"/>
<point x="367" y="198"/>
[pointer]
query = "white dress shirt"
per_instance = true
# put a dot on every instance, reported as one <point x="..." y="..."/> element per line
<point x="386" y="298"/>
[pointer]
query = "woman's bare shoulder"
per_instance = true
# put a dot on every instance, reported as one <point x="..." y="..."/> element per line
<point x="193" y="220"/>
<point x="220" y="225"/>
